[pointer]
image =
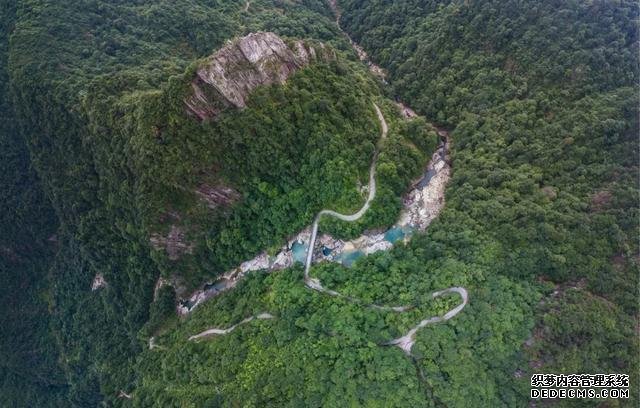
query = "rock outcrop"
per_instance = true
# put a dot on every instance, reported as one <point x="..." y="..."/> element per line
<point x="98" y="282"/>
<point x="227" y="77"/>
<point x="423" y="204"/>
<point x="216" y="196"/>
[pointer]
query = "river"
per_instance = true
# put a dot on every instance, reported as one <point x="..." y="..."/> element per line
<point x="421" y="206"/>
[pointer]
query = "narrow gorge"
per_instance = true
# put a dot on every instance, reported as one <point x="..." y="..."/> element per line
<point x="421" y="205"/>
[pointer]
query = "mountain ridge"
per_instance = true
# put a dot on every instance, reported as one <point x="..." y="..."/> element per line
<point x="226" y="78"/>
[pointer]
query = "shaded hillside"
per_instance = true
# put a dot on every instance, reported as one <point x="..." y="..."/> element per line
<point x="141" y="188"/>
<point x="157" y="139"/>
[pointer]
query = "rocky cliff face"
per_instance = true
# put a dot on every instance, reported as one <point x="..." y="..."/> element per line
<point x="228" y="76"/>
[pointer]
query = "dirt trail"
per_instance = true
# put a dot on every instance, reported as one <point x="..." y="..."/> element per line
<point x="216" y="331"/>
<point x="407" y="341"/>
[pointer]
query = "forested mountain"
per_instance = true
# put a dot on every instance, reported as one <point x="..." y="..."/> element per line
<point x="543" y="97"/>
<point x="159" y="141"/>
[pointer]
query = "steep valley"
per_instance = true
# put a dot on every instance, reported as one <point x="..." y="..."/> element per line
<point x="275" y="203"/>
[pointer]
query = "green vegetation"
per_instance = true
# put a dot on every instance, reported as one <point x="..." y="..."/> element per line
<point x="98" y="92"/>
<point x="29" y="374"/>
<point x="545" y="151"/>
<point x="324" y="351"/>
<point x="98" y="154"/>
<point x="293" y="150"/>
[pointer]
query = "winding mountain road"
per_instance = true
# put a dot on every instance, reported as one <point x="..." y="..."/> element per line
<point x="405" y="342"/>
<point x="216" y="331"/>
<point x="314" y="283"/>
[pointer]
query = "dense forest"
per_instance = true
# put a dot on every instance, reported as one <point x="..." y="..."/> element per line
<point x="103" y="171"/>
<point x="29" y="371"/>
<point x="544" y="102"/>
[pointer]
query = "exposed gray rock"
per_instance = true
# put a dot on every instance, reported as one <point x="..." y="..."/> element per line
<point x="377" y="246"/>
<point x="406" y="111"/>
<point x="283" y="260"/>
<point x="227" y="77"/>
<point x="422" y="205"/>
<point x="159" y="284"/>
<point x="98" y="282"/>
<point x="259" y="262"/>
<point x="216" y="196"/>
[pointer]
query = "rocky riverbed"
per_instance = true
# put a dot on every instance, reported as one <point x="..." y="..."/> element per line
<point x="422" y="204"/>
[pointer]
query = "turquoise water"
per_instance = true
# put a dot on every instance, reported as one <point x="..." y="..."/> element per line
<point x="348" y="258"/>
<point x="299" y="252"/>
<point x="394" y="234"/>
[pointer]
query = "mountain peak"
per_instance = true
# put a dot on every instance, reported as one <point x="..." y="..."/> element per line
<point x="227" y="77"/>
